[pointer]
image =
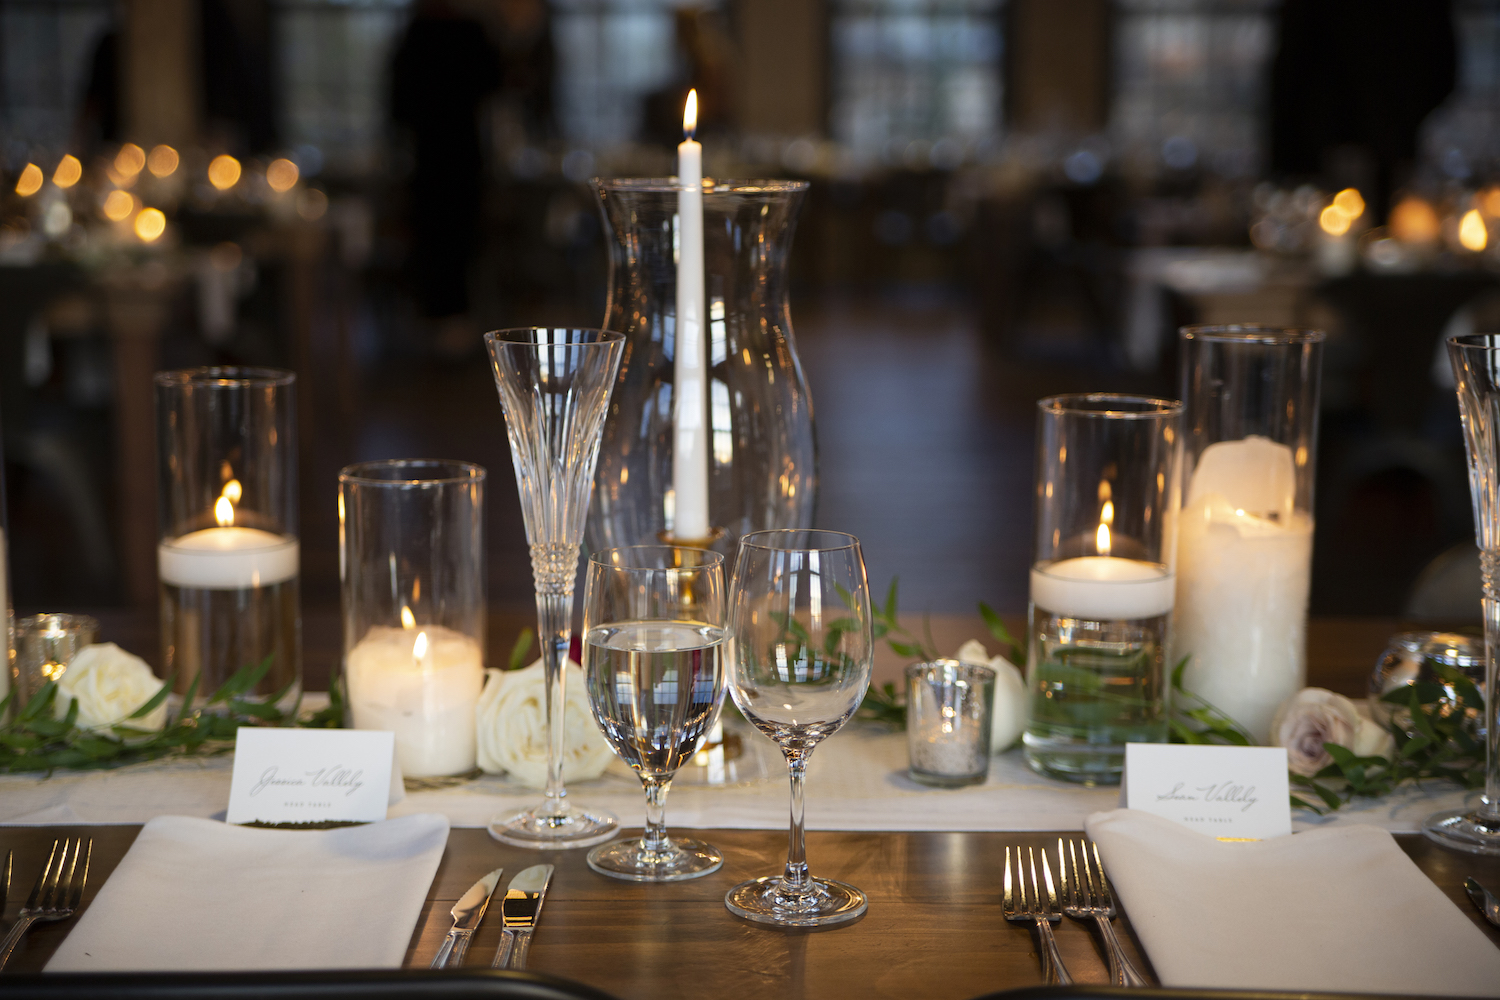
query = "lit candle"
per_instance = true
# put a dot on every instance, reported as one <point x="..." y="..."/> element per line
<point x="421" y="684"/>
<point x="690" y="449"/>
<point x="1102" y="588"/>
<point x="227" y="557"/>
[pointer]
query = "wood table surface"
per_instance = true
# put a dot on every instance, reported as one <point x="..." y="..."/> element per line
<point x="934" y="927"/>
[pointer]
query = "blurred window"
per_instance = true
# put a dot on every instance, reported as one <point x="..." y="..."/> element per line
<point x="46" y="49"/>
<point x="1190" y="83"/>
<point x="914" y="71"/>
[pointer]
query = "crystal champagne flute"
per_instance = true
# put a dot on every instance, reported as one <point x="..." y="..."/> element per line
<point x="653" y="650"/>
<point x="799" y="667"/>
<point x="554" y="388"/>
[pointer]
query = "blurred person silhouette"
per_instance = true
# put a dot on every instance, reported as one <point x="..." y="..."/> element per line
<point x="706" y="64"/>
<point x="1351" y="84"/>
<point x="444" y="69"/>
<point x="529" y="63"/>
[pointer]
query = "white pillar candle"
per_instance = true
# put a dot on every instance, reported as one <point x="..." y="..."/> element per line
<point x="227" y="558"/>
<point x="690" y="370"/>
<point x="1102" y="588"/>
<point x="1244" y="561"/>
<point x="422" y="684"/>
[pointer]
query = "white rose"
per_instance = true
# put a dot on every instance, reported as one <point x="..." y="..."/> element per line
<point x="1312" y="717"/>
<point x="109" y="684"/>
<point x="1009" y="717"/>
<point x="1372" y="739"/>
<point x="511" y="719"/>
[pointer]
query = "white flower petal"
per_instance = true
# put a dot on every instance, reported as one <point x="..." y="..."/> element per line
<point x="511" y="718"/>
<point x="109" y="684"/>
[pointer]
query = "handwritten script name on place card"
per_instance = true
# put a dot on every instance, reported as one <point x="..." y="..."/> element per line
<point x="1233" y="793"/>
<point x="307" y="776"/>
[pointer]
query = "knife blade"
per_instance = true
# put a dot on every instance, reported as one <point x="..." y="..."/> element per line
<point x="1488" y="902"/>
<point x="467" y="913"/>
<point x="520" y="909"/>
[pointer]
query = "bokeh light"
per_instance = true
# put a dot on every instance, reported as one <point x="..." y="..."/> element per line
<point x="30" y="181"/>
<point x="118" y="206"/>
<point x="224" y="172"/>
<point x="282" y="175"/>
<point x="69" y="172"/>
<point x="163" y="161"/>
<point x="130" y="159"/>
<point x="150" y="224"/>
<point x="1350" y="203"/>
<point x="1334" y="220"/>
<point x="1471" y="231"/>
<point x="311" y="204"/>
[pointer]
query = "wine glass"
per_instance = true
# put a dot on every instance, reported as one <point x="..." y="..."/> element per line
<point x="653" y="651"/>
<point x="554" y="388"/>
<point x="798" y="668"/>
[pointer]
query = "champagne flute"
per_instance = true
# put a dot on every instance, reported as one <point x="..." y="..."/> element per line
<point x="653" y="650"/>
<point x="800" y="620"/>
<point x="554" y="388"/>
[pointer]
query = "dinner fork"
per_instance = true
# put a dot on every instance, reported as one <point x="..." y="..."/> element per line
<point x="1019" y="906"/>
<point x="57" y="891"/>
<point x="1085" y="894"/>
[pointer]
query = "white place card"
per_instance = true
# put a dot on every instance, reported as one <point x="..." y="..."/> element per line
<point x="300" y="776"/>
<point x="1233" y="793"/>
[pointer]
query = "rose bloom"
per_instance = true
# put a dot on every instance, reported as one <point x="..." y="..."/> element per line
<point x="109" y="684"/>
<point x="1009" y="717"/>
<point x="511" y="720"/>
<point x="1313" y="717"/>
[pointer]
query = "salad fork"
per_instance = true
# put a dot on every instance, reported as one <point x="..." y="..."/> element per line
<point x="1020" y="906"/>
<point x="1085" y="894"/>
<point x="57" y="892"/>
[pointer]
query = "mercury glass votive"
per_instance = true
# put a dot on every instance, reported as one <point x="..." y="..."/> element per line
<point x="411" y="563"/>
<point x="45" y="645"/>
<point x="948" y="712"/>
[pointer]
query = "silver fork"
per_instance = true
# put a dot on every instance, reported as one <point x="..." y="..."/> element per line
<point x="1085" y="894"/>
<point x="57" y="891"/>
<point x="1020" y="907"/>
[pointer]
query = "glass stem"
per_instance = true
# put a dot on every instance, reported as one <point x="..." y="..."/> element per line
<point x="655" y="837"/>
<point x="796" y="881"/>
<point x="555" y="626"/>
<point x="1489" y="806"/>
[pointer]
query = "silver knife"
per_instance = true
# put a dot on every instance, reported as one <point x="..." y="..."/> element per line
<point x="1488" y="902"/>
<point x="521" y="908"/>
<point x="467" y="913"/>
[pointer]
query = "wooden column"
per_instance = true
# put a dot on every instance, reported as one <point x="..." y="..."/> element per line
<point x="783" y="66"/>
<point x="159" y="71"/>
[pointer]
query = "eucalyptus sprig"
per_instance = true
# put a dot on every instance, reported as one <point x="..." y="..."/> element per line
<point x="36" y="740"/>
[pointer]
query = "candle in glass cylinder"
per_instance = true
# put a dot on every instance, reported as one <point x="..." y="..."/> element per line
<point x="227" y="557"/>
<point x="421" y="684"/>
<point x="1102" y="588"/>
<point x="690" y="373"/>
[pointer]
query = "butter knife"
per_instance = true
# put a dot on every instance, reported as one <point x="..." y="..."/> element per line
<point x="520" y="909"/>
<point x="467" y="913"/>
<point x="1488" y="902"/>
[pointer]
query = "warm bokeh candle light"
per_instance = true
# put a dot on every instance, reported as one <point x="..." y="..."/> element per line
<point x="150" y="224"/>
<point x="69" y="171"/>
<point x="130" y="159"/>
<point x="1350" y="203"/>
<point x="163" y="161"/>
<point x="30" y="181"/>
<point x="282" y="175"/>
<point x="1413" y="220"/>
<point x="1334" y="221"/>
<point x="224" y="172"/>
<point x="118" y="206"/>
<point x="1471" y="231"/>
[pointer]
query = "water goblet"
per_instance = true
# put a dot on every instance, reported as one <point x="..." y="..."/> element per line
<point x="799" y="667"/>
<point x="554" y="388"/>
<point x="653" y="651"/>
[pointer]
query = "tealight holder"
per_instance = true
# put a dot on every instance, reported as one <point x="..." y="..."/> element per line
<point x="411" y="562"/>
<point x="228" y="555"/>
<point x="948" y="710"/>
<point x="45" y="645"/>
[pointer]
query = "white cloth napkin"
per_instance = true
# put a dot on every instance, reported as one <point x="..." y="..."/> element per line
<point x="196" y="894"/>
<point x="1341" y="909"/>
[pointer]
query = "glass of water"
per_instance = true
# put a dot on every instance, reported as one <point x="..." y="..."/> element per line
<point x="1102" y="584"/>
<point x="800" y="618"/>
<point x="653" y="652"/>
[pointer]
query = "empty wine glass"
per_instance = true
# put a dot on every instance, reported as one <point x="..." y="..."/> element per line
<point x="798" y="668"/>
<point x="653" y="651"/>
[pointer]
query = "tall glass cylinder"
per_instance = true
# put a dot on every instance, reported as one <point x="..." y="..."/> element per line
<point x="228" y="555"/>
<point x="411" y="574"/>
<point x="1244" y="559"/>
<point x="1102" y="581"/>
<point x="750" y="394"/>
<point x="1476" y="369"/>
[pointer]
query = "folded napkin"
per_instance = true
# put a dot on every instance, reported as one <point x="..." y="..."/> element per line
<point x="195" y="894"/>
<point x="1339" y="909"/>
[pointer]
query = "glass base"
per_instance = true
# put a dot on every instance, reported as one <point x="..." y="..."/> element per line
<point x="628" y="859"/>
<point x="1464" y="830"/>
<point x="828" y="903"/>
<point x="542" y="830"/>
<point x="1078" y="763"/>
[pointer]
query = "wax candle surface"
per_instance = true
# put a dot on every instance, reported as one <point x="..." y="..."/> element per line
<point x="229" y="558"/>
<point x="425" y="693"/>
<point x="1102" y="588"/>
<point x="1244" y="560"/>
<point x="690" y="371"/>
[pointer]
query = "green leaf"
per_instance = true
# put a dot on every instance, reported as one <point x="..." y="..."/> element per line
<point x="519" y="650"/>
<point x="890" y="601"/>
<point x="155" y="700"/>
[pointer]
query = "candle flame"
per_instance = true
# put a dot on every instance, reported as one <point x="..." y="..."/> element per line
<point x="408" y="620"/>
<point x="224" y="512"/>
<point x="419" y="648"/>
<point x="1350" y="202"/>
<point x="1471" y="231"/>
<point x="1101" y="540"/>
<point x="233" y="491"/>
<point x="690" y="115"/>
<point x="1334" y="220"/>
<point x="1107" y="514"/>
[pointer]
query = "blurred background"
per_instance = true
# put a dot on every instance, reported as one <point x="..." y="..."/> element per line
<point x="1009" y="198"/>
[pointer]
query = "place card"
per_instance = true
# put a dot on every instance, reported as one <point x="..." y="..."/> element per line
<point x="301" y="777"/>
<point x="1232" y="793"/>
